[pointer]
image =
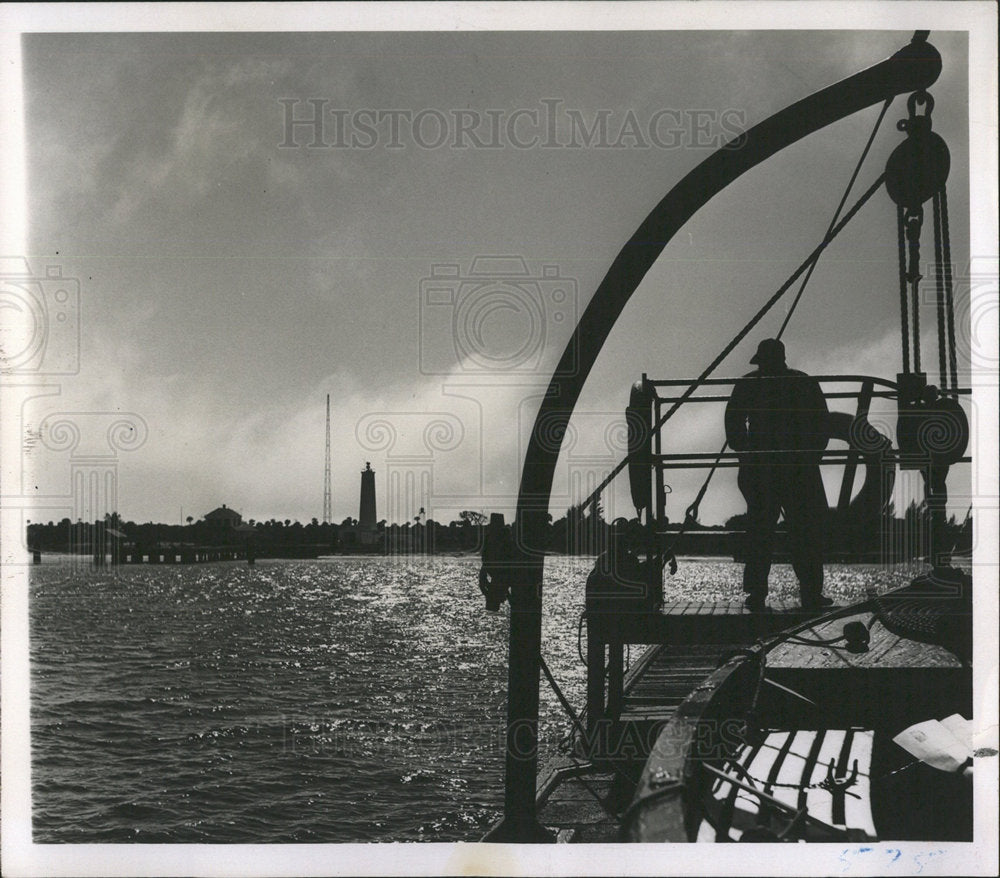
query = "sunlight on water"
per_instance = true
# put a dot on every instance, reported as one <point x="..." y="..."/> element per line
<point x="351" y="699"/>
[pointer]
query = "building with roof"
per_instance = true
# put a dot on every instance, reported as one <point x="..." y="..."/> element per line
<point x="221" y="523"/>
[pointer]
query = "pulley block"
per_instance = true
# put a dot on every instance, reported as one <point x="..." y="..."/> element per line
<point x="919" y="166"/>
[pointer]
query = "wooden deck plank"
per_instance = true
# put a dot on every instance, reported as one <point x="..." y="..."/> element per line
<point x="654" y="684"/>
<point x="653" y="692"/>
<point x="681" y="663"/>
<point x="604" y="833"/>
<point x="701" y="622"/>
<point x="654" y="679"/>
<point x="679" y="685"/>
<point x="573" y="790"/>
<point x="572" y="812"/>
<point x="886" y="649"/>
<point x="663" y="714"/>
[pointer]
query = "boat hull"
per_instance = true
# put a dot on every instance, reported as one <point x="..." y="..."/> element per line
<point x="794" y="739"/>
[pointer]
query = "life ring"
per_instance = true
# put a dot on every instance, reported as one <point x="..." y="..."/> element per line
<point x="880" y="476"/>
<point x="639" y="420"/>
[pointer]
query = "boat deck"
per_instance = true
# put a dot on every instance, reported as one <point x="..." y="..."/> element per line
<point x="584" y="794"/>
<point x="582" y="798"/>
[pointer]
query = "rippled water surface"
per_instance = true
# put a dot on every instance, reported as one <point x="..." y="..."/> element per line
<point x="351" y="699"/>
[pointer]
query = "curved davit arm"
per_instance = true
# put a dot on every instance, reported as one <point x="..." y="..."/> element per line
<point x="914" y="67"/>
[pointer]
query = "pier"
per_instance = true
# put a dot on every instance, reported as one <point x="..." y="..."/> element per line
<point x="198" y="555"/>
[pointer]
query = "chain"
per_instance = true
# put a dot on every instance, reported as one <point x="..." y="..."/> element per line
<point x="904" y="322"/>
<point x="939" y="293"/>
<point x="914" y="220"/>
<point x="949" y="293"/>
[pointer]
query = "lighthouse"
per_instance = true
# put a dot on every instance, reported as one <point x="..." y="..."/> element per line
<point x="366" y="515"/>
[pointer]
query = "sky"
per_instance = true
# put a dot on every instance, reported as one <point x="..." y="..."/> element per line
<point x="233" y="270"/>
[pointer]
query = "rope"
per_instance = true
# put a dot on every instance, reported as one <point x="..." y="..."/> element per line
<point x="939" y="294"/>
<point x="914" y="221"/>
<point x="562" y="698"/>
<point x="949" y="293"/>
<point x="904" y="321"/>
<point x="691" y="513"/>
<point x="578" y="725"/>
<point x="836" y="213"/>
<point x="593" y="793"/>
<point x="728" y="809"/>
<point x="743" y="333"/>
<point x="800" y="812"/>
<point x="755" y="781"/>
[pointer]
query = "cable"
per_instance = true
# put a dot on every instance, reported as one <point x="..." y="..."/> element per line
<point x="691" y="513"/>
<point x="914" y="221"/>
<point x="836" y="213"/>
<point x="562" y="698"/>
<point x="808" y="641"/>
<point x="743" y="333"/>
<point x="578" y="725"/>
<point x="849" y="610"/>
<point x="939" y="295"/>
<point x="777" y="803"/>
<point x="593" y="793"/>
<point x="949" y="293"/>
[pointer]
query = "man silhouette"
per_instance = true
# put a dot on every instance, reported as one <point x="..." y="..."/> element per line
<point x="780" y="410"/>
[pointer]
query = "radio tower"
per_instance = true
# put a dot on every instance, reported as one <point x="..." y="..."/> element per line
<point x="327" y="491"/>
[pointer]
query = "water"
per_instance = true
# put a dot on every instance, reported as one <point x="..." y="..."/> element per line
<point x="355" y="699"/>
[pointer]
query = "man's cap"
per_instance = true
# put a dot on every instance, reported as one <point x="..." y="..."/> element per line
<point x="770" y="350"/>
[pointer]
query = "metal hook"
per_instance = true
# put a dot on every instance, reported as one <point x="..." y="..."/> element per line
<point x="831" y="780"/>
<point x="920" y="99"/>
<point x="917" y="124"/>
<point x="837" y="787"/>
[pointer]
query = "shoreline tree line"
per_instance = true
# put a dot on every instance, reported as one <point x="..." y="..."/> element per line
<point x="578" y="532"/>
